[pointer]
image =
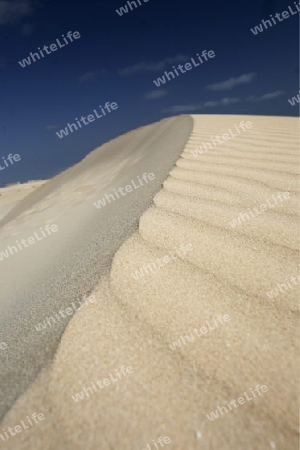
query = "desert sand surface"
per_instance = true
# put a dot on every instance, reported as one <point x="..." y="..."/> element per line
<point x="65" y="266"/>
<point x="135" y="317"/>
<point x="12" y="195"/>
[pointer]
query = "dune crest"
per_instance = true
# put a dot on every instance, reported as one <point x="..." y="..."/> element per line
<point x="135" y="320"/>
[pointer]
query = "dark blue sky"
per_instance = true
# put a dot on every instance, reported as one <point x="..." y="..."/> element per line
<point x="42" y="98"/>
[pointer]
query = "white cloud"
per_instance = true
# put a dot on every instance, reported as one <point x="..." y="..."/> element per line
<point x="224" y="101"/>
<point x="183" y="108"/>
<point x="228" y="101"/>
<point x="195" y="106"/>
<point x="232" y="82"/>
<point x="13" y="11"/>
<point x="209" y="104"/>
<point x="268" y="96"/>
<point x="156" y="94"/>
<point x="153" y="66"/>
<point x="52" y="127"/>
<point x="90" y="76"/>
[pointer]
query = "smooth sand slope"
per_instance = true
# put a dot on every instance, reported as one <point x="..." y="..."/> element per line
<point x="40" y="280"/>
<point x="10" y="196"/>
<point x="135" y="319"/>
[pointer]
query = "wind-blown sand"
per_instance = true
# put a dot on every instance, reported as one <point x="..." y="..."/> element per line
<point x="11" y="195"/>
<point x="133" y="321"/>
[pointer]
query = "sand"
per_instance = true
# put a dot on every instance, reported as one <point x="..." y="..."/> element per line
<point x="228" y="272"/>
<point x="61" y="269"/>
<point x="12" y="195"/>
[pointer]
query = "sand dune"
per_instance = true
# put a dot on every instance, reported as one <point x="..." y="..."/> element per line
<point x="12" y="195"/>
<point x="136" y="319"/>
<point x="50" y="275"/>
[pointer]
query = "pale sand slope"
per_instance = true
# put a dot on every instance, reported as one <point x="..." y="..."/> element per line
<point x="10" y="196"/>
<point x="134" y="321"/>
<point x="50" y="275"/>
